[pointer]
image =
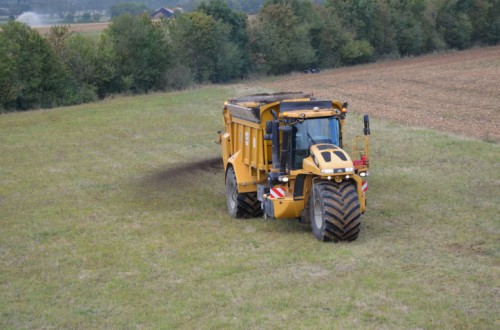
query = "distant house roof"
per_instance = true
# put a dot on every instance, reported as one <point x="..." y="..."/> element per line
<point x="162" y="13"/>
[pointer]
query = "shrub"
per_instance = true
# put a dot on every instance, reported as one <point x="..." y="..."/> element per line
<point x="357" y="51"/>
<point x="32" y="75"/>
<point x="178" y="77"/>
<point x="142" y="54"/>
<point x="279" y="40"/>
<point x="458" y="31"/>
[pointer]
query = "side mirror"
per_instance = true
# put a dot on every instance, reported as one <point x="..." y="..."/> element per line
<point x="366" y="120"/>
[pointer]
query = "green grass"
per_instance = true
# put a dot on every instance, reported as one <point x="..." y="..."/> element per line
<point x="112" y="215"/>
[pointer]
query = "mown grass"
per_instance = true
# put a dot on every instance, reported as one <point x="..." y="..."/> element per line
<point x="113" y="216"/>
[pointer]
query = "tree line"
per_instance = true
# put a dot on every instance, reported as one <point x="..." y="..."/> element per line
<point x="217" y="44"/>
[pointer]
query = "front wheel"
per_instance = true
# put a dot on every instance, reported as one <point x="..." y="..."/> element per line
<point x="335" y="211"/>
<point x="240" y="205"/>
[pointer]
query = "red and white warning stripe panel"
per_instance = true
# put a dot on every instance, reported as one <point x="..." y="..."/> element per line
<point x="277" y="192"/>
<point x="364" y="187"/>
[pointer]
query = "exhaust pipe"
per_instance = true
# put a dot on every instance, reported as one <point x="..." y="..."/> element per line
<point x="284" y="148"/>
<point x="273" y="130"/>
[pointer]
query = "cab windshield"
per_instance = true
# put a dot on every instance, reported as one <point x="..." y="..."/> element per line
<point x="310" y="132"/>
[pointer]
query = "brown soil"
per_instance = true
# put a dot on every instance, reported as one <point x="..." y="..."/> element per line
<point x="457" y="92"/>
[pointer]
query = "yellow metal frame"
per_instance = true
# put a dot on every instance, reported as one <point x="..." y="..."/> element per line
<point x="244" y="148"/>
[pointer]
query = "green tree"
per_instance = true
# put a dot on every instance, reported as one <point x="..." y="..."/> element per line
<point x="357" y="51"/>
<point x="237" y="22"/>
<point x="302" y="9"/>
<point x="455" y="25"/>
<point x="331" y="38"/>
<point x="83" y="61"/>
<point x="433" y="39"/>
<point x="106" y="67"/>
<point x="220" y="10"/>
<point x="57" y="38"/>
<point x="491" y="29"/>
<point x="279" y="42"/>
<point x="35" y="76"/>
<point x="385" y="39"/>
<point x="9" y="84"/>
<point x="484" y="16"/>
<point x="412" y="26"/>
<point x="61" y="39"/>
<point x="142" y="53"/>
<point x="203" y="45"/>
<point x="391" y="26"/>
<point x="359" y="16"/>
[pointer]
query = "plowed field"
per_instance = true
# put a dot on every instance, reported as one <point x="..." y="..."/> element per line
<point x="79" y="28"/>
<point x="457" y="92"/>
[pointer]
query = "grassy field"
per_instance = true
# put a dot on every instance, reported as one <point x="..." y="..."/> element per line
<point x="112" y="215"/>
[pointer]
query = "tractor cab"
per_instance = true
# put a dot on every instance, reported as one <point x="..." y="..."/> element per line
<point x="308" y="124"/>
<point x="310" y="132"/>
<point x="312" y="138"/>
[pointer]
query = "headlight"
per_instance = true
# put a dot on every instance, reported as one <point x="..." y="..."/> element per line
<point x="283" y="179"/>
<point x="337" y="170"/>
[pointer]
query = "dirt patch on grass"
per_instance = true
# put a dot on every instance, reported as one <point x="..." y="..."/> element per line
<point x="457" y="92"/>
<point x="179" y="174"/>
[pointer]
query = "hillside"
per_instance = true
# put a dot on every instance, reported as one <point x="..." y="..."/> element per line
<point x="113" y="215"/>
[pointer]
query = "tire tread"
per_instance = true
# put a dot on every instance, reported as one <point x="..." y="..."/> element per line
<point x="341" y="211"/>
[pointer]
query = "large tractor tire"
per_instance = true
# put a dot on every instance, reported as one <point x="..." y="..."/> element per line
<point x="240" y="205"/>
<point x="335" y="211"/>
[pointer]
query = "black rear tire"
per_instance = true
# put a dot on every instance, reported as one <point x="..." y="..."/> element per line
<point x="335" y="211"/>
<point x="240" y="205"/>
